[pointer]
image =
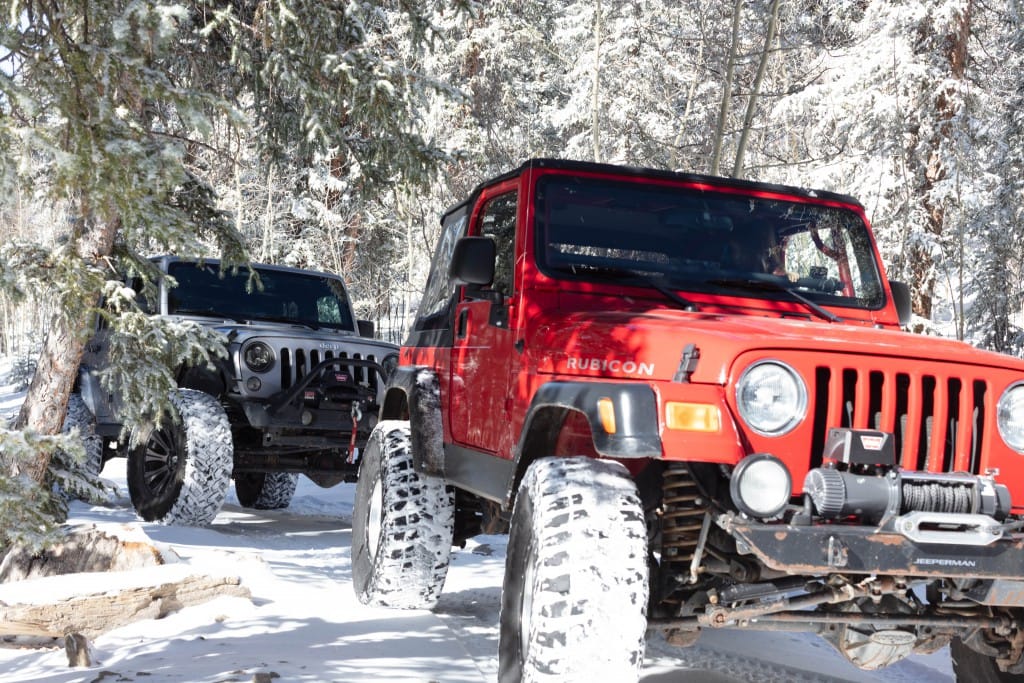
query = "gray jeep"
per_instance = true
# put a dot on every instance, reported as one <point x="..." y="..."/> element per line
<point x="297" y="393"/>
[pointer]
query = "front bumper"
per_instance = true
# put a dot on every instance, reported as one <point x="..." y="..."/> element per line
<point x="820" y="549"/>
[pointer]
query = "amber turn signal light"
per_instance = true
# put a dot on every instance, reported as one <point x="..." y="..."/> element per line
<point x="693" y="417"/>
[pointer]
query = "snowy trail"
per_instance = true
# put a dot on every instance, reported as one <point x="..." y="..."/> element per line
<point x="305" y="624"/>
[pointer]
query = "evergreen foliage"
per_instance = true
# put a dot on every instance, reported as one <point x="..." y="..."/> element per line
<point x="124" y="116"/>
<point x="304" y="132"/>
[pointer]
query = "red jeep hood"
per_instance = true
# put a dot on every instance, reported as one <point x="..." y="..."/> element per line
<point x="650" y="345"/>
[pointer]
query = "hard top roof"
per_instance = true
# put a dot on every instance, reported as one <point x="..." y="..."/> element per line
<point x="639" y="171"/>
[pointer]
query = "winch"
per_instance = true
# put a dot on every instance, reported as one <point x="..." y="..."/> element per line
<point x="860" y="479"/>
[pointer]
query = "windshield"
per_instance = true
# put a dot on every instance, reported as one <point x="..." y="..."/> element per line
<point x="699" y="240"/>
<point x="278" y="296"/>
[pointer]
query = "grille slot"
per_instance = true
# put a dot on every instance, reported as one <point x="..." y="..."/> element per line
<point x="938" y="420"/>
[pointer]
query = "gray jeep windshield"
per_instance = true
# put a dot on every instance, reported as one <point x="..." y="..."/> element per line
<point x="278" y="296"/>
<point x="704" y="241"/>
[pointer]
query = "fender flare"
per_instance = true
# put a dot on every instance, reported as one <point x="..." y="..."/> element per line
<point x="635" y="409"/>
<point x="421" y="390"/>
<point x="213" y="378"/>
<point x="88" y="386"/>
<point x="636" y="423"/>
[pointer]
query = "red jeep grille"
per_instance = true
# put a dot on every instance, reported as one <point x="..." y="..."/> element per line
<point x="296" y="364"/>
<point x="938" y="419"/>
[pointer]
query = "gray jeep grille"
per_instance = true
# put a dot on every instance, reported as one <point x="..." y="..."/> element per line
<point x="297" y="362"/>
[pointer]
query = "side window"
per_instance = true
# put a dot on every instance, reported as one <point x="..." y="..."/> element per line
<point x="498" y="220"/>
<point x="439" y="290"/>
<point x="143" y="301"/>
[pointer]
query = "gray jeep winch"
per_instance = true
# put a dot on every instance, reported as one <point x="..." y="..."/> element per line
<point x="297" y="393"/>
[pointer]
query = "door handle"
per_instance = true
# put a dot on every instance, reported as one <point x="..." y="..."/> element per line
<point x="460" y="330"/>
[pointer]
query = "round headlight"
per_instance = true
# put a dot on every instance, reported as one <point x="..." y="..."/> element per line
<point x="1010" y="417"/>
<point x="760" y="485"/>
<point x="258" y="357"/>
<point x="389" y="364"/>
<point x="771" y="397"/>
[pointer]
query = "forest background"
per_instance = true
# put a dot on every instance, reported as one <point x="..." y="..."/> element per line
<point x="333" y="135"/>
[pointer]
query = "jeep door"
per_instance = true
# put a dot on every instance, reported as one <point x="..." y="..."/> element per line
<point x="482" y="353"/>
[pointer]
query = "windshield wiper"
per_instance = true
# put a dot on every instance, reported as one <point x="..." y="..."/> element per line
<point x="619" y="273"/>
<point x="238" y="317"/>
<point x="751" y="285"/>
<point x="283" y="319"/>
<point x="208" y="312"/>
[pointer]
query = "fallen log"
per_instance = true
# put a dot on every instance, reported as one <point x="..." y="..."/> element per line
<point x="109" y="548"/>
<point x="91" y="615"/>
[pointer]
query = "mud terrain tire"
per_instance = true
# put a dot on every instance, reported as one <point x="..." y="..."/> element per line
<point x="179" y="474"/>
<point x="574" y="599"/>
<point x="265" y="490"/>
<point x="402" y="525"/>
<point x="78" y="479"/>
<point x="973" y="667"/>
<point x="79" y="416"/>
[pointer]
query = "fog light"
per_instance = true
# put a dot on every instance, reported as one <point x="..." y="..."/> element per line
<point x="253" y="384"/>
<point x="760" y="486"/>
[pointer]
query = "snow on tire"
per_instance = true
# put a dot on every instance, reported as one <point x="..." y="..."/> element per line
<point x="265" y="490"/>
<point x="181" y="471"/>
<point x="79" y="417"/>
<point x="402" y="525"/>
<point x="574" y="599"/>
<point x="75" y="478"/>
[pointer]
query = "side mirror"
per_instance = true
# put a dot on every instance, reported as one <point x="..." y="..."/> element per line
<point x="365" y="328"/>
<point x="473" y="261"/>
<point x="901" y="298"/>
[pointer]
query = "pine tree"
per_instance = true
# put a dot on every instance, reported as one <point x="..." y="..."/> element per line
<point x="115" y="113"/>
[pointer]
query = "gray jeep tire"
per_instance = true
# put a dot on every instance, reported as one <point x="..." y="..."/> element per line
<point x="402" y="525"/>
<point x="265" y="490"/>
<point x="574" y="599"/>
<point x="75" y="479"/>
<point x="79" y="417"/>
<point x="180" y="472"/>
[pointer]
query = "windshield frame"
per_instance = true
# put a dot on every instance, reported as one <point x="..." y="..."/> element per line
<point x="731" y="208"/>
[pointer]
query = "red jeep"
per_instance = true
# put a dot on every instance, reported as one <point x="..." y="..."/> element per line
<point x="689" y="401"/>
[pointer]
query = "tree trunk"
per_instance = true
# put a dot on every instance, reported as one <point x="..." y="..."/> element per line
<point x="723" y="111"/>
<point x="954" y="48"/>
<point x="684" y="120"/>
<point x="755" y="90"/>
<point x="47" y="397"/>
<point x="595" y="102"/>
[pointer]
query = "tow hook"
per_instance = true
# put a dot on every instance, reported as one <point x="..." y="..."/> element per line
<point x="357" y="415"/>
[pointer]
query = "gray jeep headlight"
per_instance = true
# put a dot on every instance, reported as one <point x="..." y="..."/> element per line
<point x="258" y="357"/>
<point x="771" y="397"/>
<point x="1010" y="416"/>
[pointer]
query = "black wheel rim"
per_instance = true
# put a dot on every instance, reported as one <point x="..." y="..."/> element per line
<point x="161" y="461"/>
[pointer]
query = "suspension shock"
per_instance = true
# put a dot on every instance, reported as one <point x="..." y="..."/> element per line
<point x="682" y="514"/>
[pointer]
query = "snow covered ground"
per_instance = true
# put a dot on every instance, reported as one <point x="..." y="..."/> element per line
<point x="305" y="624"/>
